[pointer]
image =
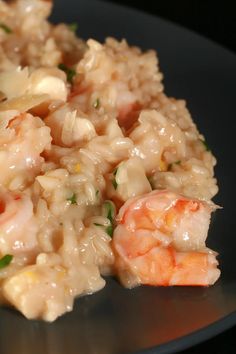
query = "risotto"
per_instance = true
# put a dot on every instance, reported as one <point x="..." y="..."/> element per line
<point x="101" y="172"/>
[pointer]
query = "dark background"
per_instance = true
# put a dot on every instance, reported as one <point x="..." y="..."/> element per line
<point x="213" y="19"/>
<point x="217" y="21"/>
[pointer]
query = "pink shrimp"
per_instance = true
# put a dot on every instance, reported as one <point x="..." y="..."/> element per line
<point x="17" y="224"/>
<point x="22" y="142"/>
<point x="128" y="115"/>
<point x="160" y="240"/>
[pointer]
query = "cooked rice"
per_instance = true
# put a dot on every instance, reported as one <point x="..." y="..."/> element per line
<point x="62" y="144"/>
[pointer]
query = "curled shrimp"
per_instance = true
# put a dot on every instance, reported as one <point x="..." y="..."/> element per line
<point x="17" y="225"/>
<point x="160" y="240"/>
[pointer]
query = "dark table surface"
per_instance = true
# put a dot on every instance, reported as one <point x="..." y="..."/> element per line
<point x="217" y="21"/>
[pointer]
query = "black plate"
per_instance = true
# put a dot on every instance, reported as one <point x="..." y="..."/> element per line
<point x="117" y="320"/>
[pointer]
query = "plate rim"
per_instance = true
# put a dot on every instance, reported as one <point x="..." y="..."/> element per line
<point x="190" y="340"/>
<point x="213" y="329"/>
<point x="221" y="325"/>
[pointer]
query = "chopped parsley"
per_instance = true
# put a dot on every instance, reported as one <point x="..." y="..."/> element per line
<point x="178" y="162"/>
<point x="97" y="193"/>
<point x="73" y="26"/>
<point x="96" y="103"/>
<point x="5" y="260"/>
<point x="109" y="230"/>
<point x="5" y="28"/>
<point x="205" y="145"/>
<point x="70" y="73"/>
<point x="109" y="210"/>
<point x="72" y="199"/>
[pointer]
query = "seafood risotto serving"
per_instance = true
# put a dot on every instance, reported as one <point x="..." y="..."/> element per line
<point x="101" y="172"/>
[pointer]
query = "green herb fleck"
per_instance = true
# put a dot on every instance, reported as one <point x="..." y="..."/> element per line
<point x="97" y="193"/>
<point x="109" y="210"/>
<point x="178" y="162"/>
<point x="73" y="26"/>
<point x="205" y="145"/>
<point x="5" y="260"/>
<point x="109" y="230"/>
<point x="72" y="199"/>
<point x="96" y="103"/>
<point x="5" y="28"/>
<point x="70" y="73"/>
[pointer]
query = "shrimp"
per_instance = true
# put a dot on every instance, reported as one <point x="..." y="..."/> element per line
<point x="21" y="143"/>
<point x="128" y="115"/>
<point x="160" y="240"/>
<point x="17" y="225"/>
